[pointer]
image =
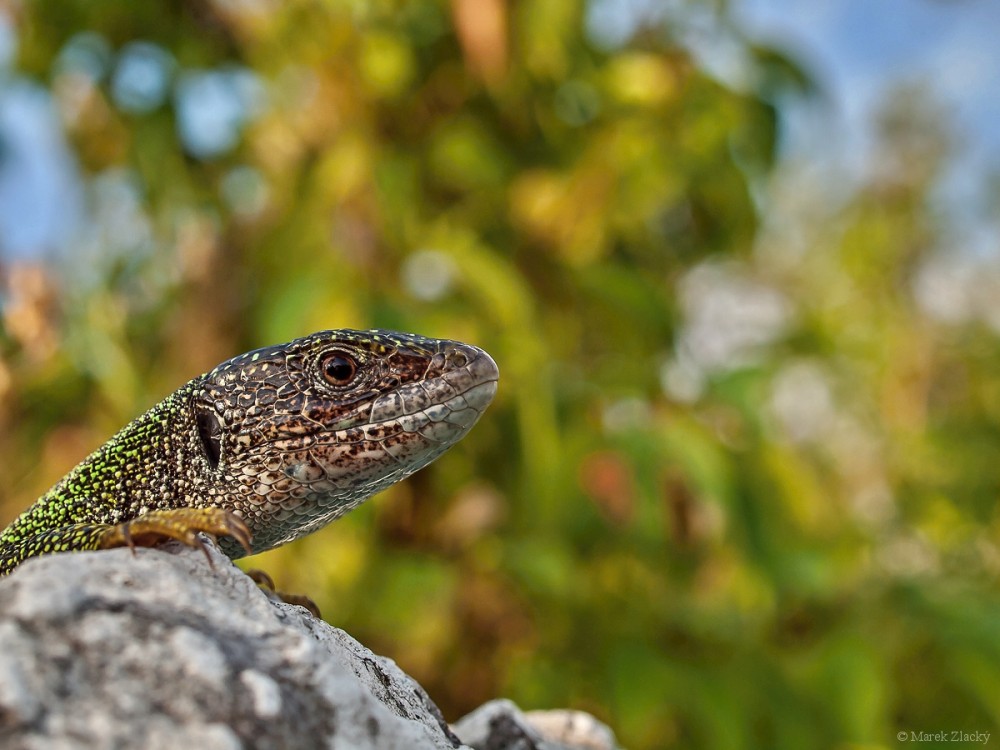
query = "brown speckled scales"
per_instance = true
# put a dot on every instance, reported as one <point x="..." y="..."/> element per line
<point x="288" y="438"/>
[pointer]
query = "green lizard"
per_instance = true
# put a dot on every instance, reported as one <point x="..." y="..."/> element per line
<point x="268" y="446"/>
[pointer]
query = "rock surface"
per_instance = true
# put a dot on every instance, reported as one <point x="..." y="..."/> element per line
<point x="501" y="725"/>
<point x="157" y="650"/>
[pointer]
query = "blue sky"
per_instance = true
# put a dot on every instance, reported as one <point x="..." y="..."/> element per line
<point x="858" y="49"/>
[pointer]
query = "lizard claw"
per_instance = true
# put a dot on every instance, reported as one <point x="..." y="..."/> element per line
<point x="180" y="524"/>
<point x="264" y="581"/>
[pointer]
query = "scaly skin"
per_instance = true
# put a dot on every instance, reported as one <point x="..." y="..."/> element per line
<point x="275" y="443"/>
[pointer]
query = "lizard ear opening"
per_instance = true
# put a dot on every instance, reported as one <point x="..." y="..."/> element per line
<point x="210" y="434"/>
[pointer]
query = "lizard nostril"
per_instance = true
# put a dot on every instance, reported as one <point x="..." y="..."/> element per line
<point x="457" y="358"/>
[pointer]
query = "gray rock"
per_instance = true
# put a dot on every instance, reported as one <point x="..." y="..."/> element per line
<point x="111" y="650"/>
<point x="160" y="650"/>
<point x="501" y="725"/>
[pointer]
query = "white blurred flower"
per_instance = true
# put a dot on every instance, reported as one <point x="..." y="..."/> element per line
<point x="801" y="402"/>
<point x="729" y="316"/>
<point x="428" y="274"/>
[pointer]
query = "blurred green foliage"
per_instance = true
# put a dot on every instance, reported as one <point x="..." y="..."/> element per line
<point x="734" y="492"/>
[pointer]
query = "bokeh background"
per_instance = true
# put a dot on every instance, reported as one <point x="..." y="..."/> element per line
<point x="738" y="263"/>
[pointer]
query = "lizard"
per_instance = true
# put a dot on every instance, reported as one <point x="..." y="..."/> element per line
<point x="266" y="447"/>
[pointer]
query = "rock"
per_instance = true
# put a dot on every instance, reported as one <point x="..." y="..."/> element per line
<point x="111" y="650"/>
<point x="501" y="725"/>
<point x="160" y="650"/>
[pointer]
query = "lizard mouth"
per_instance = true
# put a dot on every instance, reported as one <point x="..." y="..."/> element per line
<point x="431" y="415"/>
<point x="457" y="396"/>
<point x="405" y="430"/>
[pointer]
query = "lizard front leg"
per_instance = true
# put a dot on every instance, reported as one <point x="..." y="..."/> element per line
<point x="146" y="530"/>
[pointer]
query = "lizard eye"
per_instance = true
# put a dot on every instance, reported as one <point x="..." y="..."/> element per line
<point x="338" y="368"/>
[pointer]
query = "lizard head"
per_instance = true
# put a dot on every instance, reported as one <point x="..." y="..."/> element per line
<point x="293" y="436"/>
